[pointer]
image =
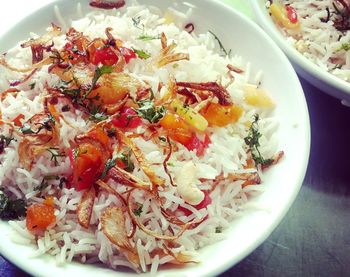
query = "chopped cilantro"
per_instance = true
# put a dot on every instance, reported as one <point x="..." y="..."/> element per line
<point x="149" y="112"/>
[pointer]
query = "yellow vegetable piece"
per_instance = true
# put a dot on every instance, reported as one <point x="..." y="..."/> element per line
<point x="279" y="14"/>
<point x="188" y="114"/>
<point x="218" y="115"/>
<point x="258" y="97"/>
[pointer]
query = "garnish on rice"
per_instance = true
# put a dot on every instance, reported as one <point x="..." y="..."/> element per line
<point x="126" y="145"/>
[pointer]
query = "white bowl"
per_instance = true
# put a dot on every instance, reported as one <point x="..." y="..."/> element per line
<point x="283" y="180"/>
<point x="320" y="78"/>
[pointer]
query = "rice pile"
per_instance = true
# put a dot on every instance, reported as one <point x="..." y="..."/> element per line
<point x="318" y="39"/>
<point x="227" y="154"/>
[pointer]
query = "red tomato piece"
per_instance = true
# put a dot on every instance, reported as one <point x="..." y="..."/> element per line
<point x="128" y="118"/>
<point x="86" y="161"/>
<point x="18" y="120"/>
<point x="292" y="14"/>
<point x="196" y="144"/>
<point x="105" y="56"/>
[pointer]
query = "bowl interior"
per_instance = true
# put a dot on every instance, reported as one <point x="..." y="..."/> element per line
<point x="320" y="78"/>
<point x="284" y="180"/>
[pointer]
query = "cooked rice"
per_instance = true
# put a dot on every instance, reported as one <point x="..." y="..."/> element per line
<point x="318" y="39"/>
<point x="227" y="154"/>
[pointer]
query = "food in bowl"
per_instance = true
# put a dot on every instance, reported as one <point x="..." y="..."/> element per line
<point x="129" y="140"/>
<point x="319" y="30"/>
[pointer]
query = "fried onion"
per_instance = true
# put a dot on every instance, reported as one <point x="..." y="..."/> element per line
<point x="85" y="206"/>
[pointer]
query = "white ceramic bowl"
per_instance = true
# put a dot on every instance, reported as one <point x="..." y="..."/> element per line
<point x="283" y="180"/>
<point x="320" y="78"/>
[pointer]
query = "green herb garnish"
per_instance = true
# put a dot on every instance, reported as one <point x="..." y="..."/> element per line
<point x="98" y="117"/>
<point x="222" y="48"/>
<point x="126" y="160"/>
<point x="252" y="140"/>
<point x="11" y="209"/>
<point x="32" y="85"/>
<point x="99" y="71"/>
<point x="148" y="37"/>
<point x="344" y="46"/>
<point x="136" y="22"/>
<point x="142" y="54"/>
<point x="138" y="210"/>
<point x="148" y="111"/>
<point x="55" y="153"/>
<point x="218" y="229"/>
<point x="109" y="164"/>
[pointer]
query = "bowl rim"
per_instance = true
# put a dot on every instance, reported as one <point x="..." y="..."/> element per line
<point x="296" y="57"/>
<point x="305" y="129"/>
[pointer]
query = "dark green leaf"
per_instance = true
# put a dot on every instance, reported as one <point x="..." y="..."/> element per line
<point x="109" y="164"/>
<point x="11" y="209"/>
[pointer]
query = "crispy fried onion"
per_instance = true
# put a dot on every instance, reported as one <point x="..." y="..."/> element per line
<point x="43" y="135"/>
<point x="123" y="177"/>
<point x="107" y="5"/>
<point x="107" y="187"/>
<point x="140" y="157"/>
<point x="179" y="258"/>
<point x="165" y="165"/>
<point x="12" y="91"/>
<point x="167" y="54"/>
<point x="218" y="90"/>
<point x="40" y="64"/>
<point x="38" y="45"/>
<point x="154" y="234"/>
<point x="113" y="226"/>
<point x="247" y="178"/>
<point x="84" y="209"/>
<point x="233" y="68"/>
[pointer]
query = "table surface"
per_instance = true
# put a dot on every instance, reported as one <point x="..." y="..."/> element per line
<point x="313" y="239"/>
